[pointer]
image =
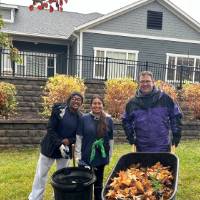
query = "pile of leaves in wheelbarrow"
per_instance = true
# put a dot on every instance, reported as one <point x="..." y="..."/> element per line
<point x="139" y="183"/>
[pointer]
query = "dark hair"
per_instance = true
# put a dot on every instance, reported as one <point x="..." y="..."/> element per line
<point x="102" y="125"/>
<point x="72" y="95"/>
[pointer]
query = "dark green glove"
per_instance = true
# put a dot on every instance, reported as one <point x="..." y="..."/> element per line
<point x="176" y="139"/>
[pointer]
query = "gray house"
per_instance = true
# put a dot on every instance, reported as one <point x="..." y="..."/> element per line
<point x="148" y="34"/>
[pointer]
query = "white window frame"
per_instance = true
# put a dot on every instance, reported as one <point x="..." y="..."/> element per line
<point x="6" y="62"/>
<point x="105" y="50"/>
<point x="46" y="55"/>
<point x="12" y="15"/>
<point x="176" y="57"/>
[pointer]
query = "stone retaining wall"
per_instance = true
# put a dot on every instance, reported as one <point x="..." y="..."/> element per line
<point x="26" y="133"/>
<point x="21" y="133"/>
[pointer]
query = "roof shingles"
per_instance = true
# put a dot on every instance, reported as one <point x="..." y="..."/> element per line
<point x="56" y="24"/>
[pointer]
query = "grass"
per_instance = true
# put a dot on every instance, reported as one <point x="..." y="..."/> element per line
<point x="17" y="168"/>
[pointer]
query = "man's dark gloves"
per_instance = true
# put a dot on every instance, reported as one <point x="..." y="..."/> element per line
<point x="176" y="139"/>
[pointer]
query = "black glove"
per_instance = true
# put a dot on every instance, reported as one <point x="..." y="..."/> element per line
<point x="131" y="139"/>
<point x="176" y="139"/>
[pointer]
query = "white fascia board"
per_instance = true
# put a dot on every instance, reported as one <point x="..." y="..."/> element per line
<point x="34" y="34"/>
<point x="8" y="6"/>
<point x="113" y="14"/>
<point x="181" y="14"/>
<point x="142" y="36"/>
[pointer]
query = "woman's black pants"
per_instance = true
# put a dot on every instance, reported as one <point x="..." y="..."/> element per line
<point x="98" y="185"/>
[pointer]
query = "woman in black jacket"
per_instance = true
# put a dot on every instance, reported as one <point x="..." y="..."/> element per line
<point x="56" y="144"/>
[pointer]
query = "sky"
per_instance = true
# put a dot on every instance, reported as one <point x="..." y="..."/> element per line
<point x="191" y="7"/>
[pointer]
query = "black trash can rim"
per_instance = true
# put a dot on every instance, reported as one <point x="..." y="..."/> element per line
<point x="87" y="174"/>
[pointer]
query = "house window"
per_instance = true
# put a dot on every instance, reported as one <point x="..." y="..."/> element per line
<point x="36" y="64"/>
<point x="114" y="63"/>
<point x="99" y="70"/>
<point x="154" y="20"/>
<point x="188" y="66"/>
<point x="7" y="14"/>
<point x="6" y="67"/>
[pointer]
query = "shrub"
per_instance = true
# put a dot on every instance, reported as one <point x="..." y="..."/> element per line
<point x="117" y="93"/>
<point x="191" y="97"/>
<point x="167" y="88"/>
<point x="8" y="102"/>
<point x="58" y="88"/>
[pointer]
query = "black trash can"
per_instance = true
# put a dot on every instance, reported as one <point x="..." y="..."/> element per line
<point x="73" y="183"/>
<point x="146" y="160"/>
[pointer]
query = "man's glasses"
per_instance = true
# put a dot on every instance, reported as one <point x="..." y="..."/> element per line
<point x="145" y="81"/>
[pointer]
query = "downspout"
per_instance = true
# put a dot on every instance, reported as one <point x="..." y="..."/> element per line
<point x="68" y="56"/>
<point x="79" y="53"/>
<point x="78" y="42"/>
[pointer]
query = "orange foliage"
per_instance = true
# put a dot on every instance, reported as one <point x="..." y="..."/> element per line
<point x="191" y="95"/>
<point x="58" y="88"/>
<point x="118" y="92"/>
<point x="8" y="102"/>
<point x="167" y="88"/>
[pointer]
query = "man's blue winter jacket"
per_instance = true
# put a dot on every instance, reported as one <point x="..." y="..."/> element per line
<point x="148" y="119"/>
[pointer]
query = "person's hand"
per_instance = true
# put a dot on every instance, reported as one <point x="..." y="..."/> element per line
<point x="64" y="150"/>
<point x="133" y="148"/>
<point x="65" y="141"/>
<point x="83" y="164"/>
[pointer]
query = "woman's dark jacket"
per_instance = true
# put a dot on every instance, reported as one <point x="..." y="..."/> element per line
<point x="88" y="131"/>
<point x="62" y="123"/>
<point x="148" y="119"/>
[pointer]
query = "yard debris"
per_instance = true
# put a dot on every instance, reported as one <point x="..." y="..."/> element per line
<point x="140" y="183"/>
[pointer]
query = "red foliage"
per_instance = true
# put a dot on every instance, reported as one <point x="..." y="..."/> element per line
<point x="47" y="4"/>
<point x="31" y="7"/>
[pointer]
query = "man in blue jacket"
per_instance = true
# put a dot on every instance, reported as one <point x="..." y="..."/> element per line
<point x="56" y="144"/>
<point x="149" y="116"/>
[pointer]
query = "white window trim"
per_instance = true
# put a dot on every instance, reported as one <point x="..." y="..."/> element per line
<point x="182" y="56"/>
<point x="104" y="69"/>
<point x="12" y="15"/>
<point x="46" y="55"/>
<point x="127" y="51"/>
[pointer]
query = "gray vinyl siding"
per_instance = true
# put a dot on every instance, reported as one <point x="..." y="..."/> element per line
<point x="5" y="13"/>
<point x="149" y="50"/>
<point x="135" y="22"/>
<point x="72" y="68"/>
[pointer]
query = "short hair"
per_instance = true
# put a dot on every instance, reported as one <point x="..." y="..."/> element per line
<point x="148" y="73"/>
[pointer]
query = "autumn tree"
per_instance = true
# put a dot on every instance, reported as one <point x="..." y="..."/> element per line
<point x="6" y="42"/>
<point x="47" y="4"/>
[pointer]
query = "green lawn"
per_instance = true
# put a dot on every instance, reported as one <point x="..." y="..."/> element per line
<point x="17" y="168"/>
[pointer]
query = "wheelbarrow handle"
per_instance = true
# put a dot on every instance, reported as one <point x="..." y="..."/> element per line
<point x="173" y="149"/>
<point x="73" y="155"/>
<point x="133" y="148"/>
